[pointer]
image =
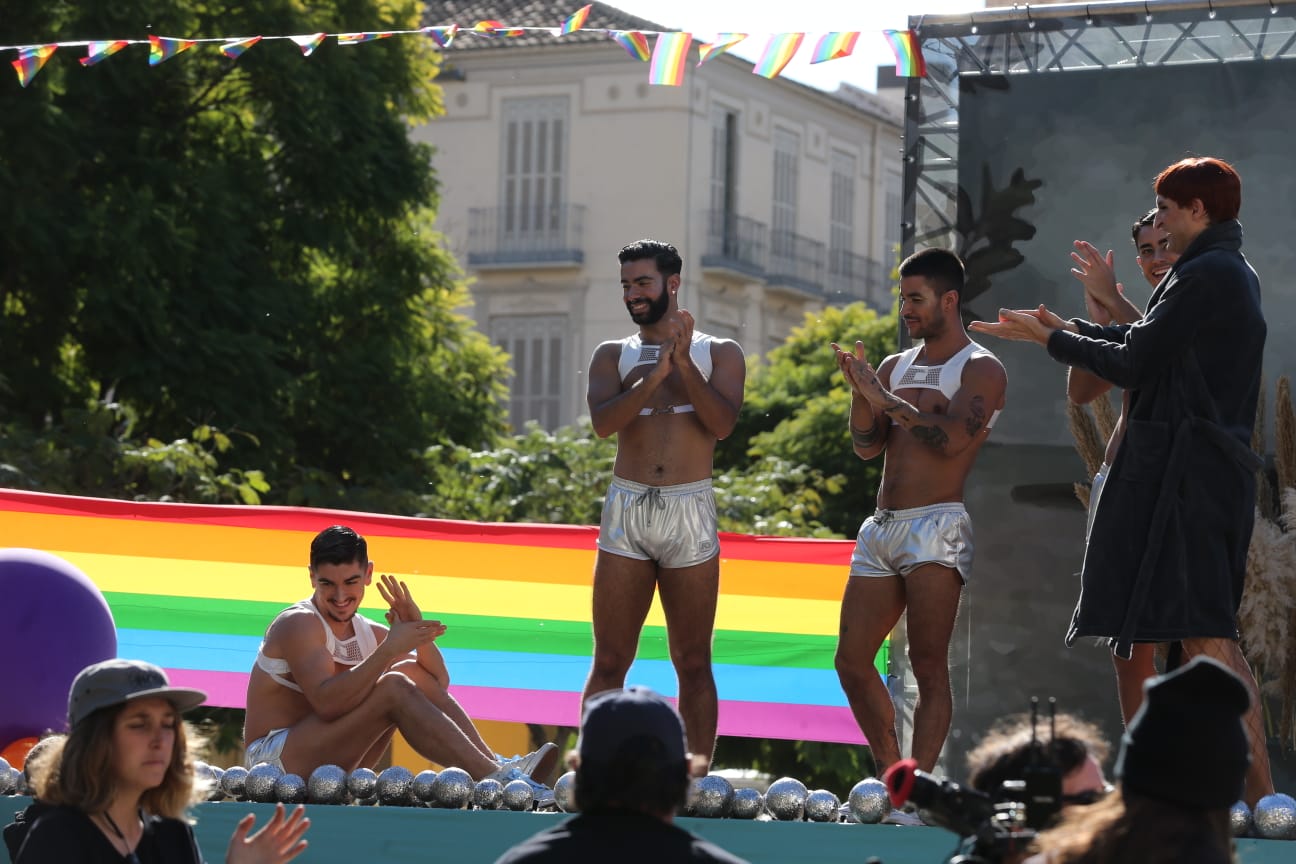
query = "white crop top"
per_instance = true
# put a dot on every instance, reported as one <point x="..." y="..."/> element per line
<point x="635" y="353"/>
<point x="348" y="652"/>
<point x="946" y="377"/>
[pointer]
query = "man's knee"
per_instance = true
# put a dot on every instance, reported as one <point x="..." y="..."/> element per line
<point x="693" y="665"/>
<point x="395" y="688"/>
<point x="930" y="668"/>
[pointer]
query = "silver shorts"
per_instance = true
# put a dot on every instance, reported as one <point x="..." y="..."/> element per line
<point x="894" y="542"/>
<point x="267" y="749"/>
<point x="1095" y="492"/>
<point x="672" y="525"/>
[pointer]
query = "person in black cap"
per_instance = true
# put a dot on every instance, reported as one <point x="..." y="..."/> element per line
<point x="115" y="788"/>
<point x="632" y="775"/>
<point x="1181" y="766"/>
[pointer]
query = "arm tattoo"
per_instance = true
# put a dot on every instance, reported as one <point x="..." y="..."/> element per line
<point x="976" y="416"/>
<point x="865" y="437"/>
<point x="932" y="436"/>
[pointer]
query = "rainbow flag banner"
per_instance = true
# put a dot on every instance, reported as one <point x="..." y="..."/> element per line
<point x="910" y="62"/>
<point x="192" y="589"/>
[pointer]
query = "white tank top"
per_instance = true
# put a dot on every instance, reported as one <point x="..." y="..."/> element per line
<point x="348" y="652"/>
<point x="635" y="353"/>
<point x="946" y="377"/>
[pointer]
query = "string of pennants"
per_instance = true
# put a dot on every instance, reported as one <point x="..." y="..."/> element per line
<point x="669" y="54"/>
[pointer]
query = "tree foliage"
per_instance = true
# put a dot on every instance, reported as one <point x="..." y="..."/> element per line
<point x="238" y="245"/>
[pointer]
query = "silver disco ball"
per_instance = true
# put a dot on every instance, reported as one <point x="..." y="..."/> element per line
<point x="22" y="785"/>
<point x="565" y="792"/>
<point x="1275" y="817"/>
<point x="868" y="801"/>
<point x="518" y="795"/>
<point x="362" y="783"/>
<point x="821" y="806"/>
<point x="290" y="789"/>
<point x="747" y="803"/>
<point x="234" y="782"/>
<point x="422" y="785"/>
<point x="488" y="794"/>
<point x="327" y="784"/>
<point x="710" y="796"/>
<point x="260" y="783"/>
<point x="207" y="780"/>
<point x="785" y="799"/>
<point x="395" y="787"/>
<point x="1240" y="819"/>
<point x="8" y="778"/>
<point x="452" y="789"/>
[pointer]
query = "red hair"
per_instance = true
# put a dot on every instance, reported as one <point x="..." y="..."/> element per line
<point x="1212" y="181"/>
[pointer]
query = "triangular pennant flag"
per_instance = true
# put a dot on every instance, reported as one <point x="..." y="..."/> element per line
<point x="235" y="49"/>
<point x="576" y="20"/>
<point x="492" y="28"/>
<point x="833" y="46"/>
<point x="308" y="44"/>
<point x="357" y="38"/>
<point x="443" y="36"/>
<point x="96" y="51"/>
<point x="163" y="48"/>
<point x="778" y="53"/>
<point x="908" y="53"/>
<point x="668" y="59"/>
<point x="633" y="41"/>
<point x="723" y="42"/>
<point x="30" y="61"/>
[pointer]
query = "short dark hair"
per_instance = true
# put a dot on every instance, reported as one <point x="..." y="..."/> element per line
<point x="1144" y="221"/>
<point x="941" y="267"/>
<point x="665" y="255"/>
<point x="1213" y="181"/>
<point x="338" y="544"/>
<point x="639" y="776"/>
<point x="1007" y="750"/>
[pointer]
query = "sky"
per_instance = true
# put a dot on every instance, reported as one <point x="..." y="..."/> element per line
<point x="813" y="17"/>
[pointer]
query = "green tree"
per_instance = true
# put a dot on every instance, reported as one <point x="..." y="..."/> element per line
<point x="238" y="244"/>
<point x="796" y="408"/>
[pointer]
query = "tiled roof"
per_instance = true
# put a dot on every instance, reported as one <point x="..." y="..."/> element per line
<point x="527" y="13"/>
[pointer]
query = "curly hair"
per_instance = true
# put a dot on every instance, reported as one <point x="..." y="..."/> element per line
<point x="1006" y="751"/>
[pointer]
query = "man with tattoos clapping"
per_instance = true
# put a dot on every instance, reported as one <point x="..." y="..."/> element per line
<point x="930" y="409"/>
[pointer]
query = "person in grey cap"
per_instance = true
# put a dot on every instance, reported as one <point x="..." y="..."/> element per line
<point x="115" y="789"/>
<point x="632" y="775"/>
<point x="1181" y="767"/>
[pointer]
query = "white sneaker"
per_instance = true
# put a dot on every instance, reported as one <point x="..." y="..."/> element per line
<point x="538" y="763"/>
<point x="902" y="817"/>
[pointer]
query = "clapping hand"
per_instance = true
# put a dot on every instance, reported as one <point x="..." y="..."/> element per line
<point x="279" y="841"/>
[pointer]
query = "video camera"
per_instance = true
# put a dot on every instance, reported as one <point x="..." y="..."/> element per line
<point x="992" y="829"/>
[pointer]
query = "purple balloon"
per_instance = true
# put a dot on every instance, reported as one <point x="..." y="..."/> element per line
<point x="56" y="624"/>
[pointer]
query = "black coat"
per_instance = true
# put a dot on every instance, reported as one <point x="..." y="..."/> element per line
<point x="1166" y="558"/>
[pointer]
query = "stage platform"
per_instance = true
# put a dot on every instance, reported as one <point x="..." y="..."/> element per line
<point x="400" y="835"/>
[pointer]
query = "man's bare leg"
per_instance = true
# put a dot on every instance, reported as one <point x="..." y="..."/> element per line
<point x="871" y="607"/>
<point x="932" y="593"/>
<point x="396" y="701"/>
<point x="688" y="596"/>
<point x="445" y="703"/>
<point x="370" y="759"/>
<point x="1130" y="675"/>
<point x="1259" y="780"/>
<point x="623" y="592"/>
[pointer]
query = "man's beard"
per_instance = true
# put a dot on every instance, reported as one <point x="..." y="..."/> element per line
<point x="656" y="311"/>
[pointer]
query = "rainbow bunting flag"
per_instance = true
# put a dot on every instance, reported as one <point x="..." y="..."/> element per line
<point x="492" y="28"/>
<point x="668" y="58"/>
<point x="97" y="51"/>
<point x="832" y="46"/>
<point x="357" y="38"/>
<point x="308" y="44"/>
<point x="778" y="53"/>
<point x="163" y="48"/>
<point x="442" y="36"/>
<point x="235" y="49"/>
<point x="723" y="42"/>
<point x="632" y="41"/>
<point x="30" y="61"/>
<point x="576" y="20"/>
<point x="908" y="53"/>
<point x="192" y="589"/>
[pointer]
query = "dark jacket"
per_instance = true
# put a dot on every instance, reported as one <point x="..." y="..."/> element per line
<point x="1166" y="558"/>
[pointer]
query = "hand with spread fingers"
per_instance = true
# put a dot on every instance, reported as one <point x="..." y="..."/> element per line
<point x="278" y="841"/>
<point x="1023" y="325"/>
<point x="403" y="607"/>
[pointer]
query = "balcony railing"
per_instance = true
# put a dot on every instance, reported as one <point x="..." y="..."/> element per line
<point x="854" y="277"/>
<point x="734" y="243"/>
<point x="796" y="262"/>
<point x="504" y="236"/>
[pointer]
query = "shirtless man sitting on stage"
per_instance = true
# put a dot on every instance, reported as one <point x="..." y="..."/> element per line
<point x="332" y="687"/>
<point x="930" y="409"/>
